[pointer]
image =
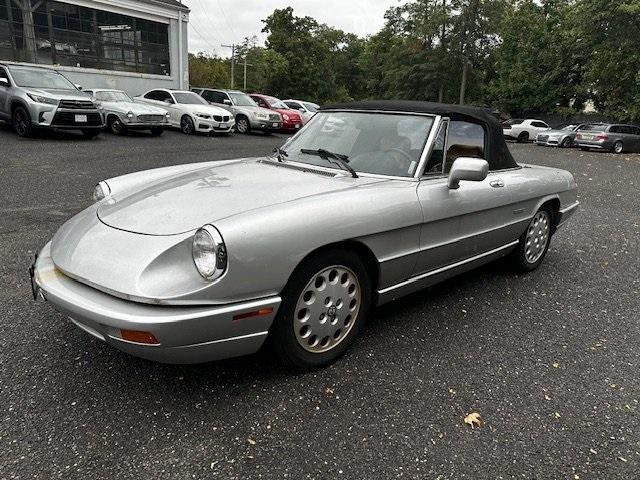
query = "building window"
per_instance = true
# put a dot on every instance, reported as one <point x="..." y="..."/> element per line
<point x="56" y="33"/>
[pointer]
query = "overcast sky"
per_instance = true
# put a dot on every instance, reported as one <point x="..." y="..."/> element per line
<point x="213" y="22"/>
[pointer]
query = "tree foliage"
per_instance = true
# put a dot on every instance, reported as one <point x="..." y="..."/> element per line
<point x="521" y="56"/>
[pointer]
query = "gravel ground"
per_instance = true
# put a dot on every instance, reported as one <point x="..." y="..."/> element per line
<point x="550" y="359"/>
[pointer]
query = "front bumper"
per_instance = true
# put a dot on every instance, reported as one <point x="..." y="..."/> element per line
<point x="292" y="126"/>
<point x="145" y="125"/>
<point x="265" y="125"/>
<point x="184" y="334"/>
<point x="51" y="116"/>
<point x="205" y="125"/>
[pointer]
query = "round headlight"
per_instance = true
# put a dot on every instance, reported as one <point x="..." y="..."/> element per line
<point x="130" y="115"/>
<point x="209" y="252"/>
<point x="101" y="191"/>
<point x="168" y="115"/>
<point x="285" y="116"/>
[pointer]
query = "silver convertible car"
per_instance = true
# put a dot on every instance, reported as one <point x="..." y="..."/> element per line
<point x="370" y="201"/>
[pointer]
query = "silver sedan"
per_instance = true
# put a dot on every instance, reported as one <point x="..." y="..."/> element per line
<point x="367" y="203"/>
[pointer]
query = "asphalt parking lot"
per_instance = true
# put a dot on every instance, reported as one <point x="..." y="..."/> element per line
<point x="550" y="359"/>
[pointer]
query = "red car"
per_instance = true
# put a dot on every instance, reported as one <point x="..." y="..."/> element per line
<point x="291" y="119"/>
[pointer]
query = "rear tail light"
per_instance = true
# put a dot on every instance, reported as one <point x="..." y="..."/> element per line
<point x="602" y="136"/>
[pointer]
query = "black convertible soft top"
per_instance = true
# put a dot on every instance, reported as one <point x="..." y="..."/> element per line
<point x="499" y="156"/>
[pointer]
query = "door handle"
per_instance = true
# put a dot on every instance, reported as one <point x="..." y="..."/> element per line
<point x="497" y="183"/>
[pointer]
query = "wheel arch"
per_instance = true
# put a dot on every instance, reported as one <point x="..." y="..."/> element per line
<point x="15" y="103"/>
<point x="554" y="203"/>
<point x="364" y="253"/>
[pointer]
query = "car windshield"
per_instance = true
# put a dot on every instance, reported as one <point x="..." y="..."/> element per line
<point x="113" y="96"/>
<point x="310" y="106"/>
<point x="40" y="78"/>
<point x="384" y="144"/>
<point x="189" y="98"/>
<point x="276" y="103"/>
<point x="242" y="100"/>
<point x="570" y="128"/>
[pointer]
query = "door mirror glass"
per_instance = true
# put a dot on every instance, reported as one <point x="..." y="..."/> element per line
<point x="79" y="87"/>
<point x="168" y="101"/>
<point x="470" y="169"/>
<point x="226" y="101"/>
<point x="4" y="82"/>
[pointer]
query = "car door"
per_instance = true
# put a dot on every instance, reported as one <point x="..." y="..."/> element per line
<point x="539" y="126"/>
<point x="4" y="95"/>
<point x="164" y="99"/>
<point x="467" y="222"/>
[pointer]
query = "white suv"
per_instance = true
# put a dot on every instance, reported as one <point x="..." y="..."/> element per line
<point x="523" y="130"/>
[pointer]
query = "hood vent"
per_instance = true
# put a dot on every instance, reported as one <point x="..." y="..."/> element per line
<point x="296" y="167"/>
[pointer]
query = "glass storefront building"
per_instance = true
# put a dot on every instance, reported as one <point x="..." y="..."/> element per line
<point x="145" y="37"/>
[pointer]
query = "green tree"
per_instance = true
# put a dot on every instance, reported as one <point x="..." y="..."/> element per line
<point x="208" y="71"/>
<point x="609" y="32"/>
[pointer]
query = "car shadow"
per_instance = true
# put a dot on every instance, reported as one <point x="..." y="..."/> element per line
<point x="243" y="373"/>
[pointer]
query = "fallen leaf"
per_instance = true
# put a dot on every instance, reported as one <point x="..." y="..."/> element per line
<point x="474" y="419"/>
<point x="547" y="397"/>
<point x="452" y="391"/>
<point x="251" y="441"/>
<point x="622" y="459"/>
<point x="555" y="365"/>
<point x="556" y="414"/>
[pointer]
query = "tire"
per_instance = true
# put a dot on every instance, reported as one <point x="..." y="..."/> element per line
<point x="534" y="242"/>
<point x="116" y="126"/>
<point x="324" y="306"/>
<point x="566" y="142"/>
<point x="618" y="147"/>
<point x="523" y="137"/>
<point x="187" y="126"/>
<point x="22" y="123"/>
<point x="157" y="131"/>
<point x="93" y="133"/>
<point x="243" y="125"/>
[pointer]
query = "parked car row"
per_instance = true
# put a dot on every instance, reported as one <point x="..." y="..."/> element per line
<point x="33" y="98"/>
<point x="617" y="138"/>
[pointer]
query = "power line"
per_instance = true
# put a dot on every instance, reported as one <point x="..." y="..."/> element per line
<point x="235" y="35"/>
<point x="193" y="27"/>
<point x="206" y="14"/>
<point x="233" y="61"/>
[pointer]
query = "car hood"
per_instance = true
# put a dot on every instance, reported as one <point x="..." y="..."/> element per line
<point x="135" y="107"/>
<point x="185" y="202"/>
<point x="208" y="109"/>
<point x="256" y="109"/>
<point x="291" y="113"/>
<point x="58" y="94"/>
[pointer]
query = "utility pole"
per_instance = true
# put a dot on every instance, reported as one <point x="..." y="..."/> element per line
<point x="233" y="61"/>
<point x="245" y="72"/>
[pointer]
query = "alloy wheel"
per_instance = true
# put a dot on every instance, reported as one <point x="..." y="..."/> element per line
<point x="618" y="147"/>
<point x="186" y="124"/>
<point x="537" y="237"/>
<point x="242" y="125"/>
<point x="116" y="127"/>
<point x="327" y="309"/>
<point x="20" y="123"/>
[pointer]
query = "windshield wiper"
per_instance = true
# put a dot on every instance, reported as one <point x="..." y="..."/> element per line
<point x="280" y="154"/>
<point x="336" y="158"/>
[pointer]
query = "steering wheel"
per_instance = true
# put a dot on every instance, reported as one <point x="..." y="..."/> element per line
<point x="401" y="157"/>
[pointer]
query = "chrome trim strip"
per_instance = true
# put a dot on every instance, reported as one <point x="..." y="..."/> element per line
<point x="446" y="268"/>
<point x="459" y="239"/>
<point x="223" y="340"/>
<point x="570" y="207"/>
<point x="428" y="146"/>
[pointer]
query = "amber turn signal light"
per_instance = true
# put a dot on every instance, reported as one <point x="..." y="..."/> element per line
<point x="255" y="313"/>
<point x="139" y="337"/>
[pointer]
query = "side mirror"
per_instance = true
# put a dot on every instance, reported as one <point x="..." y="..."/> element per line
<point x="470" y="169"/>
<point x="168" y="101"/>
<point x="4" y="82"/>
<point x="226" y="101"/>
<point x="79" y="87"/>
<point x="302" y="110"/>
